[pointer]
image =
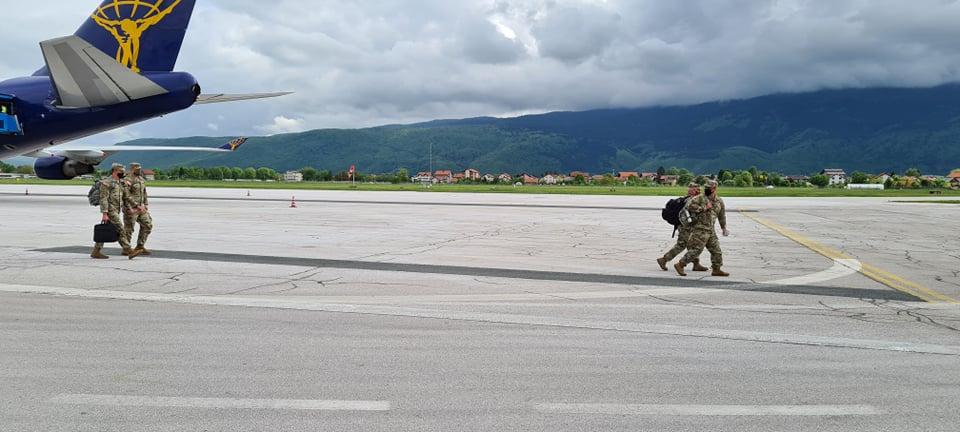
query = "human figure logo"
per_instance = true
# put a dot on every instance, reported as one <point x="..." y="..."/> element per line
<point x="235" y="144"/>
<point x="127" y="21"/>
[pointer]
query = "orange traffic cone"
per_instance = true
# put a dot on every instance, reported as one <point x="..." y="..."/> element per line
<point x="293" y="202"/>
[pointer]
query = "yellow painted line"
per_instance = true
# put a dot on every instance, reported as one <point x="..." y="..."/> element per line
<point x="882" y="276"/>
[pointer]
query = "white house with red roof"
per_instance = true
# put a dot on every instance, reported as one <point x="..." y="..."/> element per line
<point x="443" y="176"/>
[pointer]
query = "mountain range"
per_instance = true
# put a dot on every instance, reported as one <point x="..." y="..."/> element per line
<point x="872" y="130"/>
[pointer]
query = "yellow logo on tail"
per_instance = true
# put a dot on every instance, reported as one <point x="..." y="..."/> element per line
<point x="129" y="29"/>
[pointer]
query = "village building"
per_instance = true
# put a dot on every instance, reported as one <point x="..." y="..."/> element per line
<point x="836" y="176"/>
<point x="953" y="180"/>
<point x="550" y="179"/>
<point x="668" y="180"/>
<point x="443" y="177"/>
<point x="423" y="177"/>
<point x="293" y="177"/>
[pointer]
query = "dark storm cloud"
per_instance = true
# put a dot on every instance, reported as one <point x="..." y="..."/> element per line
<point x="386" y="61"/>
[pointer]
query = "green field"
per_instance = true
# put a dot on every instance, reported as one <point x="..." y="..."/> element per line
<point x="557" y="190"/>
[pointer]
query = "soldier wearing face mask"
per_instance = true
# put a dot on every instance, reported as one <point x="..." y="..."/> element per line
<point x="112" y="192"/>
<point x="138" y="212"/>
<point x="706" y="210"/>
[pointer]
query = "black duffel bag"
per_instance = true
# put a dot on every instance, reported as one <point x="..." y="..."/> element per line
<point x="105" y="233"/>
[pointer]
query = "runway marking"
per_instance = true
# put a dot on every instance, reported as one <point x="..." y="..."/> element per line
<point x="495" y="318"/>
<point x="531" y="296"/>
<point x="218" y="403"/>
<point x="882" y="276"/>
<point x="710" y="410"/>
<point x="841" y="268"/>
<point x="501" y="273"/>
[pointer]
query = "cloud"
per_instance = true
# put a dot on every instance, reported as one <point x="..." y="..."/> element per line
<point x="575" y="33"/>
<point x="283" y="125"/>
<point x="356" y="64"/>
<point x="483" y="41"/>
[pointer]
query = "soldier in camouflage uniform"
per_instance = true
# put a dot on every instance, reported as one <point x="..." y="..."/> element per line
<point x="138" y="212"/>
<point x="706" y="210"/>
<point x="111" y="206"/>
<point x="683" y="235"/>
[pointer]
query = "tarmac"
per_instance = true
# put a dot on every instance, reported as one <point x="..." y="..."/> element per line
<point x="422" y="311"/>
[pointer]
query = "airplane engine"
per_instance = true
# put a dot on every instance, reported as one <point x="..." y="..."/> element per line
<point x="61" y="168"/>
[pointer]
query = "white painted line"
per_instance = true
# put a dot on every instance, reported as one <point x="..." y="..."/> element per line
<point x="841" y="268"/>
<point x="288" y="303"/>
<point x="709" y="410"/>
<point x="532" y="296"/>
<point x="216" y="403"/>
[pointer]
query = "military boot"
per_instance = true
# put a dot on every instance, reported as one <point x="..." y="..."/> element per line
<point x="719" y="273"/>
<point x="681" y="268"/>
<point x="126" y="251"/>
<point x="663" y="264"/>
<point x="97" y="254"/>
<point x="699" y="268"/>
<point x="135" y="253"/>
<point x="143" y="251"/>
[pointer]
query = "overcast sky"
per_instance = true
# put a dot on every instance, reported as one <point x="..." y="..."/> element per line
<point x="373" y="62"/>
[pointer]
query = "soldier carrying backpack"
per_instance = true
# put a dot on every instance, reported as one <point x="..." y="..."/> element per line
<point x="675" y="213"/>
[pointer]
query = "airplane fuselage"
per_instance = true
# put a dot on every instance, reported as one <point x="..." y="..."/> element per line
<point x="44" y="124"/>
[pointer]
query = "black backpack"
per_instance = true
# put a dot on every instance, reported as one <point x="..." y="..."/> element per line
<point x="671" y="212"/>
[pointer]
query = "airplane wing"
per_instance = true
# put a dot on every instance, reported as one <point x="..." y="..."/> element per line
<point x="93" y="156"/>
<point x="85" y="77"/>
<point x="205" y="99"/>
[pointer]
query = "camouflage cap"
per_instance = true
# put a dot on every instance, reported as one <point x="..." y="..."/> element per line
<point x="135" y="165"/>
<point x="693" y="185"/>
<point x="115" y="166"/>
<point x="712" y="184"/>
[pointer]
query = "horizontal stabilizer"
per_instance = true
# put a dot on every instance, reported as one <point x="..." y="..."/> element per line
<point x="94" y="156"/>
<point x="117" y="149"/>
<point x="222" y="98"/>
<point x="85" y="77"/>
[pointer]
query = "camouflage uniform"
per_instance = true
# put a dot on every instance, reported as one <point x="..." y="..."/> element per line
<point x="111" y="203"/>
<point x="703" y="232"/>
<point x="683" y="240"/>
<point x="135" y="197"/>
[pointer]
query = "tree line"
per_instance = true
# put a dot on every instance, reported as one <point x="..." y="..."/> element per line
<point x="10" y="169"/>
<point x="752" y="177"/>
<point x="269" y="174"/>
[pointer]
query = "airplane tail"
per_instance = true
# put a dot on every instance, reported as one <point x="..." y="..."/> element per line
<point x="143" y="35"/>
<point x="234" y="145"/>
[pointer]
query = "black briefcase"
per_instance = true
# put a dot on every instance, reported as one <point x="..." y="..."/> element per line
<point x="105" y="233"/>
